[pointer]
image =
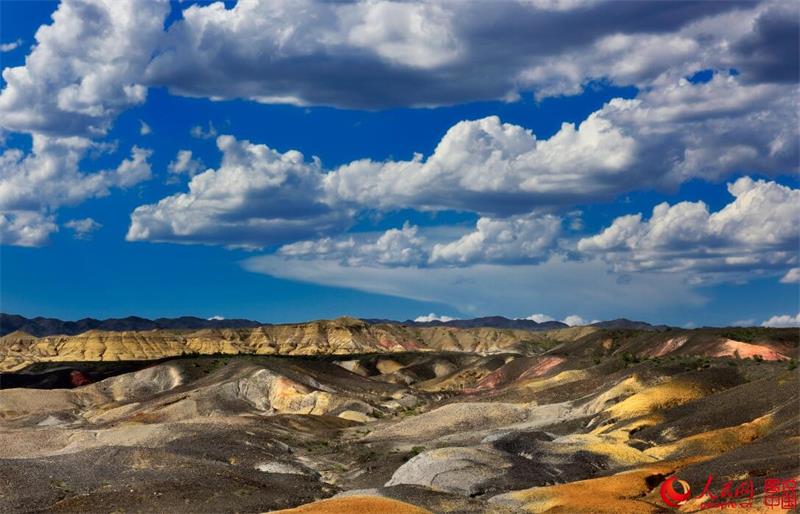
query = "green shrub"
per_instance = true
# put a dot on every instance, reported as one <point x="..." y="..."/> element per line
<point x="629" y="358"/>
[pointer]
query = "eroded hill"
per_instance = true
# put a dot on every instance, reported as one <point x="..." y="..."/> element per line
<point x="328" y="337"/>
<point x="578" y="421"/>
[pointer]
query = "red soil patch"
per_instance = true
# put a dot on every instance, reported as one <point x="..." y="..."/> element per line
<point x="668" y="346"/>
<point x="490" y="381"/>
<point x="78" y="379"/>
<point x="544" y="365"/>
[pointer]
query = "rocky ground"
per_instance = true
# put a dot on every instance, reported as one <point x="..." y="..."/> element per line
<point x="369" y="419"/>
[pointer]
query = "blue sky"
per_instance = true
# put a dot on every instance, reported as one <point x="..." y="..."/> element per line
<point x="514" y="213"/>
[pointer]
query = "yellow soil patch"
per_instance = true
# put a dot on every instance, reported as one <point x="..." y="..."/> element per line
<point x="623" y="389"/>
<point x="714" y="442"/>
<point x="659" y="397"/>
<point x="614" y="448"/>
<point x="388" y="366"/>
<point x="623" y="431"/>
<point x="9" y="363"/>
<point x="356" y="416"/>
<point x="460" y="380"/>
<point x="356" y="504"/>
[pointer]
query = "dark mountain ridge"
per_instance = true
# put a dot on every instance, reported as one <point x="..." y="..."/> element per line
<point x="520" y="324"/>
<point x="487" y="321"/>
<point x="622" y="323"/>
<point x="41" y="326"/>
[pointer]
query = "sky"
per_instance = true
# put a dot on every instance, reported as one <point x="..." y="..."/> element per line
<point x="284" y="161"/>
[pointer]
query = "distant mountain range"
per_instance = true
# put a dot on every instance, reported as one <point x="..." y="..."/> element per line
<point x="522" y="324"/>
<point x="489" y="321"/>
<point x="40" y="326"/>
<point x="626" y="323"/>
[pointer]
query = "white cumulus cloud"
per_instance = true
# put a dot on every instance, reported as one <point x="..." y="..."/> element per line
<point x="782" y="321"/>
<point x="26" y="228"/>
<point x="433" y="317"/>
<point x="34" y="185"/>
<point x="572" y="320"/>
<point x="394" y="247"/>
<point x="83" y="228"/>
<point x="663" y="138"/>
<point x="85" y="68"/>
<point x="8" y="47"/>
<point x="516" y="239"/>
<point x="184" y="163"/>
<point x="791" y="277"/>
<point x="755" y="232"/>
<point x="540" y="318"/>
<point x="487" y="166"/>
<point x="199" y="132"/>
<point x="672" y="133"/>
<point x="432" y="53"/>
<point x="257" y="197"/>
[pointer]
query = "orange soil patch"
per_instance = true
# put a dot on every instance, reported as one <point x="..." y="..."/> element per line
<point x="731" y="348"/>
<point x="622" y="493"/>
<point x="357" y="504"/>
